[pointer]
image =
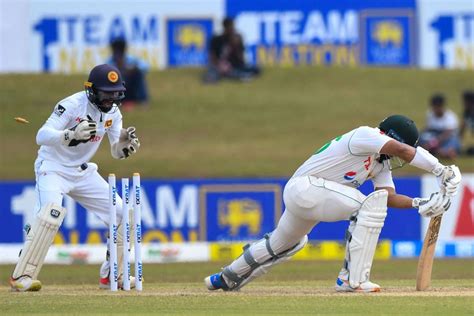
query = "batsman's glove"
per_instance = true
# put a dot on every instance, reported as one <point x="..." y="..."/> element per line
<point x="84" y="131"/>
<point x="449" y="179"/>
<point x="435" y="205"/>
<point x="127" y="145"/>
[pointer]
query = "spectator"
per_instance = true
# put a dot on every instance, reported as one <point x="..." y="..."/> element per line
<point x="467" y="123"/>
<point x="226" y="56"/>
<point x="133" y="70"/>
<point x="441" y="133"/>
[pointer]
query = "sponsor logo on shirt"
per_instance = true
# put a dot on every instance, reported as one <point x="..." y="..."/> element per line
<point x="108" y="123"/>
<point x="367" y="163"/>
<point x="59" y="110"/>
<point x="349" y="176"/>
<point x="55" y="213"/>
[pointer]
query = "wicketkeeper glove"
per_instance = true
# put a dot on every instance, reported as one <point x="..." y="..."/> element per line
<point x="449" y="178"/>
<point x="127" y="145"/>
<point x="433" y="206"/>
<point x="81" y="133"/>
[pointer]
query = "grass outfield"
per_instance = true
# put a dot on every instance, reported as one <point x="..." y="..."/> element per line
<point x="296" y="288"/>
<point x="267" y="127"/>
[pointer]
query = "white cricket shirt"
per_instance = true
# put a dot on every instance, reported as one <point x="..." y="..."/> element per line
<point x="448" y="121"/>
<point x="67" y="114"/>
<point x="351" y="159"/>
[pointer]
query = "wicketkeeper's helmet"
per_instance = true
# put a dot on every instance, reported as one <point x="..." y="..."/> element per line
<point x="105" y="87"/>
<point x="401" y="128"/>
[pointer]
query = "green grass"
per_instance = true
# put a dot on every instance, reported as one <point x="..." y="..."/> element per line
<point x="297" y="288"/>
<point x="264" y="128"/>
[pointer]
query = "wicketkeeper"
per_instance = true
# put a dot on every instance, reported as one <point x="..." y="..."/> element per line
<point x="68" y="140"/>
<point x="323" y="189"/>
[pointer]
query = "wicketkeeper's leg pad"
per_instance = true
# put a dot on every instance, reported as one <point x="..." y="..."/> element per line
<point x="105" y="265"/>
<point x="364" y="237"/>
<point x="104" y="271"/>
<point x="235" y="282"/>
<point x="38" y="240"/>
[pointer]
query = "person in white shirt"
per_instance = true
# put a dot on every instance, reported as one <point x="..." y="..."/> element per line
<point x="324" y="189"/>
<point x="467" y="123"/>
<point x="68" y="140"/>
<point x="441" y="135"/>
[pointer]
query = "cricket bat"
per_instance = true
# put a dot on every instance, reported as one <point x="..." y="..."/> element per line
<point x="425" y="263"/>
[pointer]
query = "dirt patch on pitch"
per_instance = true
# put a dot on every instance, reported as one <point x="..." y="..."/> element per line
<point x="251" y="291"/>
<point x="394" y="291"/>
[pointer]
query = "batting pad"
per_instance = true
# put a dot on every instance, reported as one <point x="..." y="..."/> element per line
<point x="365" y="236"/>
<point x="259" y="269"/>
<point x="38" y="240"/>
<point x="106" y="264"/>
<point x="265" y="267"/>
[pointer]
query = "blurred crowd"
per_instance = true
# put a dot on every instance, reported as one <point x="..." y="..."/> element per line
<point x="226" y="56"/>
<point x="445" y="134"/>
<point x="133" y="71"/>
<point x="226" y="60"/>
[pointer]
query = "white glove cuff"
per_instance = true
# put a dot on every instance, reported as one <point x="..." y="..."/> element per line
<point x="415" y="203"/>
<point x="424" y="160"/>
<point x="116" y="152"/>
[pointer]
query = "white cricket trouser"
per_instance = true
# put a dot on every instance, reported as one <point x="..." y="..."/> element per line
<point x="308" y="200"/>
<point x="87" y="188"/>
<point x="84" y="185"/>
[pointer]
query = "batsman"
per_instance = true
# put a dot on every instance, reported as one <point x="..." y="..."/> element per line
<point x="68" y="140"/>
<point x="324" y="189"/>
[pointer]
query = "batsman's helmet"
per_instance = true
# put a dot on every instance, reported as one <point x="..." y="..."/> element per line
<point x="105" y="87"/>
<point x="404" y="130"/>
<point x="401" y="128"/>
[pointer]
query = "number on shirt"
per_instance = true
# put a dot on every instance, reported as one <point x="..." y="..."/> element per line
<point x="325" y="146"/>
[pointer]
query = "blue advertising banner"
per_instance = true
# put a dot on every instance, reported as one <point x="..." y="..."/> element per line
<point x="387" y="38"/>
<point x="307" y="32"/>
<point x="73" y="36"/>
<point x="77" y="39"/>
<point x="195" y="210"/>
<point x="452" y="249"/>
<point x="231" y="211"/>
<point x="187" y="41"/>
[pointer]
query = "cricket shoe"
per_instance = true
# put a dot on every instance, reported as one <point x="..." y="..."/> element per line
<point x="342" y="285"/>
<point x="104" y="283"/>
<point x="216" y="282"/>
<point x="25" y="284"/>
